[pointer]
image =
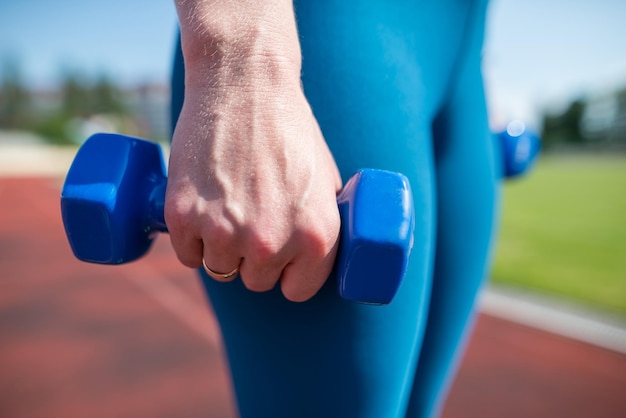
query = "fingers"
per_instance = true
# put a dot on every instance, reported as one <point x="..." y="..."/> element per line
<point x="263" y="263"/>
<point x="226" y="254"/>
<point x="301" y="263"/>
<point x="303" y="278"/>
<point x="309" y="270"/>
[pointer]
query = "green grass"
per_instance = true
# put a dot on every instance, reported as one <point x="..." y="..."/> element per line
<point x="563" y="231"/>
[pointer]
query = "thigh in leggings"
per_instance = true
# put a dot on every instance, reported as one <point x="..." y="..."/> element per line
<point x="376" y="75"/>
<point x="467" y="197"/>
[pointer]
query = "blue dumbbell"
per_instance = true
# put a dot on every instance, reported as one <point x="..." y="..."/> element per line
<point x="520" y="148"/>
<point x="112" y="207"/>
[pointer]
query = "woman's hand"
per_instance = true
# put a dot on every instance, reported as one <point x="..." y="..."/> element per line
<point x="252" y="182"/>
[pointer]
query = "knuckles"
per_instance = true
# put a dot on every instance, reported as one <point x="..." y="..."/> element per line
<point x="319" y="238"/>
<point x="263" y="248"/>
<point x="177" y="213"/>
<point x="267" y="245"/>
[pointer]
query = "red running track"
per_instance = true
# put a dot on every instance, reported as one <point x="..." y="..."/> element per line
<point x="79" y="340"/>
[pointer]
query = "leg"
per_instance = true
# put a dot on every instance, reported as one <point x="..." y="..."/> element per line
<point x="374" y="101"/>
<point x="467" y="197"/>
<point x="328" y="357"/>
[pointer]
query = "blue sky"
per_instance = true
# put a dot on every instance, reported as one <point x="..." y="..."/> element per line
<point x="538" y="53"/>
<point x="129" y="39"/>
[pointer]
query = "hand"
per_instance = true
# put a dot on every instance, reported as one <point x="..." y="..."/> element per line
<point x="252" y="182"/>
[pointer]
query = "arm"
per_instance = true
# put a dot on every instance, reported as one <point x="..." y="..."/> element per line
<point x="251" y="179"/>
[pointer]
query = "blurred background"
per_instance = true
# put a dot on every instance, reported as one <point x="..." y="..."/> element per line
<point x="70" y="68"/>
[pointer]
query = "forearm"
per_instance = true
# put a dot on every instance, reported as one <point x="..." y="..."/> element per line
<point x="239" y="43"/>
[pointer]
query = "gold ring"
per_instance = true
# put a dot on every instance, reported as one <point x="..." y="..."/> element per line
<point x="217" y="275"/>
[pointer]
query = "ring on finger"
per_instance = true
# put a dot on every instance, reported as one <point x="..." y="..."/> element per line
<point x="217" y="275"/>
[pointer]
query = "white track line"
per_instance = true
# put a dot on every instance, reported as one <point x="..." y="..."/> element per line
<point x="530" y="310"/>
<point x="27" y="160"/>
<point x="555" y="317"/>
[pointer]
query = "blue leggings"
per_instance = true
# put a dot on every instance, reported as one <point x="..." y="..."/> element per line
<point x="394" y="85"/>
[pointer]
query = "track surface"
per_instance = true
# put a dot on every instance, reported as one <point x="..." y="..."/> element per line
<point x="79" y="340"/>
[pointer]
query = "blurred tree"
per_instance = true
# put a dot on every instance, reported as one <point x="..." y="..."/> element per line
<point x="75" y="96"/>
<point x="64" y="114"/>
<point x="80" y="99"/>
<point x="84" y="98"/>
<point x="564" y="127"/>
<point x="618" y="130"/>
<point x="106" y="97"/>
<point x="15" y="102"/>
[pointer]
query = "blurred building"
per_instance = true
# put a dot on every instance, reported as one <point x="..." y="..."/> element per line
<point x="604" y="118"/>
<point x="149" y="106"/>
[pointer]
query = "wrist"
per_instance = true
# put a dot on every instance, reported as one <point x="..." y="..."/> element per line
<point x="235" y="44"/>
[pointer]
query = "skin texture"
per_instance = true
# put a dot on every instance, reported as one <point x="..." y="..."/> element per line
<point x="251" y="179"/>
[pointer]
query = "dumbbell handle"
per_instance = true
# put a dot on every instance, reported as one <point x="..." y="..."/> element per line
<point x="156" y="206"/>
